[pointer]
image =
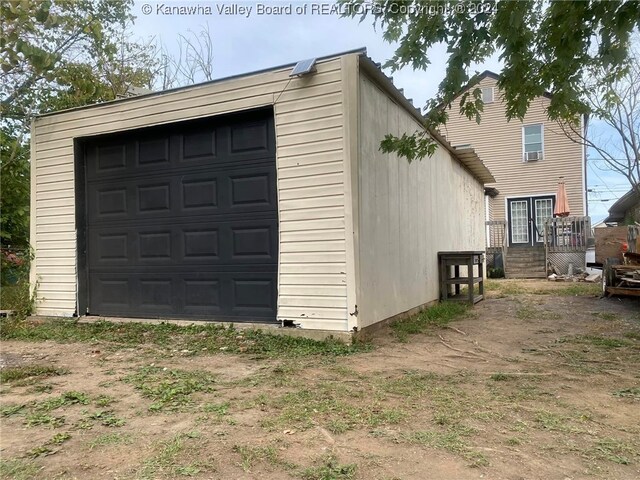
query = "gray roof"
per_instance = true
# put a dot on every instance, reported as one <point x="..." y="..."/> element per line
<point x="618" y="210"/>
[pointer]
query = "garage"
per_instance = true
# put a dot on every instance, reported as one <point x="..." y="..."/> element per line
<point x="181" y="221"/>
<point x="261" y="198"/>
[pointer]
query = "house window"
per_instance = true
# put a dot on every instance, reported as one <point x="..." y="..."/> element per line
<point x="487" y="95"/>
<point x="532" y="142"/>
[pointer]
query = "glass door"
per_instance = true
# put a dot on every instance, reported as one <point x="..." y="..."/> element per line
<point x="519" y="222"/>
<point x="543" y="208"/>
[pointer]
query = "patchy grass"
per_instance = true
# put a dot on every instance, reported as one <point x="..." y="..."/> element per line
<point x="17" y="469"/>
<point x="251" y="455"/>
<point x="12" y="374"/>
<point x="196" y="339"/>
<point x="574" y="289"/>
<point x="329" y="404"/>
<point x="516" y="288"/>
<point x="169" y="389"/>
<point x="517" y="397"/>
<point x="450" y="439"/>
<point x="607" y="343"/>
<point x="438" y="315"/>
<point x="631" y="392"/>
<point x="614" y="451"/>
<point x="108" y="439"/>
<point x="169" y="460"/>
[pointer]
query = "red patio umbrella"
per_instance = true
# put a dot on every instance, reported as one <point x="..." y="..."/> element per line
<point x="562" y="204"/>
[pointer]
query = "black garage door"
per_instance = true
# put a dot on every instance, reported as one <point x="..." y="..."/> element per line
<point x="181" y="221"/>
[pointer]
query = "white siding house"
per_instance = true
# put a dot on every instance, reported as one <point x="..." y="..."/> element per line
<point x="261" y="197"/>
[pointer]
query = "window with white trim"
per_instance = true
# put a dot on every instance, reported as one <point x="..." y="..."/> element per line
<point x="487" y="94"/>
<point x="532" y="142"/>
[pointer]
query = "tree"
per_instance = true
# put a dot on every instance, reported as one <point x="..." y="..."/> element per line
<point x="545" y="47"/>
<point x="616" y="107"/>
<point x="55" y="55"/>
<point x="192" y="64"/>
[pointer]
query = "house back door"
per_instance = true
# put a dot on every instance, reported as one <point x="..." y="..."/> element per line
<point x="526" y="219"/>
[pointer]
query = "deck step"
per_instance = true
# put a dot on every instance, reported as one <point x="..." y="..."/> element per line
<point x="525" y="262"/>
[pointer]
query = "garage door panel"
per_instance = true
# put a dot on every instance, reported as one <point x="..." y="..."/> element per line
<point x="229" y="242"/>
<point x="182" y="221"/>
<point x="194" y="294"/>
<point x="229" y="191"/>
<point x="163" y="149"/>
<point x="152" y="151"/>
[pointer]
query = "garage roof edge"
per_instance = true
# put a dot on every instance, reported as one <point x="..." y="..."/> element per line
<point x="360" y="51"/>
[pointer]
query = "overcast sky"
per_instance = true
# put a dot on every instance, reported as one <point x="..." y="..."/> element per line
<point x="247" y="39"/>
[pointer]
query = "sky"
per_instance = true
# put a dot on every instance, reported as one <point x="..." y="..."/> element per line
<point x="250" y="35"/>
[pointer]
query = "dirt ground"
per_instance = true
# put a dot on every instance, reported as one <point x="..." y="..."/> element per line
<point x="535" y="382"/>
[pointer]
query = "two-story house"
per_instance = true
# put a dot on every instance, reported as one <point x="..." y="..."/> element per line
<point x="527" y="158"/>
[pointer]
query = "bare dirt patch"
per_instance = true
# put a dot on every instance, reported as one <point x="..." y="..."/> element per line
<point x="538" y="381"/>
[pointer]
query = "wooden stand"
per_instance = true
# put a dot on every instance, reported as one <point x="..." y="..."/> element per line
<point x="469" y="259"/>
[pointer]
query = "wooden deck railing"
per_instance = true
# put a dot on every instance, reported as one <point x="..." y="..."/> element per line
<point x="567" y="234"/>
<point x="496" y="236"/>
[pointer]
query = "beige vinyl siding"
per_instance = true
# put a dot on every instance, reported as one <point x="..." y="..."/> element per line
<point x="310" y="165"/>
<point x="408" y="212"/>
<point x="499" y="145"/>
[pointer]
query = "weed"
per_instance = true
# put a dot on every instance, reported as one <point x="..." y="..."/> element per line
<point x="219" y="409"/>
<point x="330" y="469"/>
<point x="501" y="377"/>
<point x="17" y="297"/>
<point x="438" y="315"/>
<point x="67" y="398"/>
<point x="37" y="418"/>
<point x="9" y="410"/>
<point x="44" y="388"/>
<point x="103" y="400"/>
<point x="632" y="335"/>
<point x="107" y="439"/>
<point x="12" y="374"/>
<point x="605" y="315"/>
<point x="107" y="418"/>
<point x="18" y="469"/>
<point x="38" y="451"/>
<point x="614" y="451"/>
<point x="169" y="389"/>
<point x="513" y="441"/>
<point x="631" y="392"/>
<point x="59" y="438"/>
